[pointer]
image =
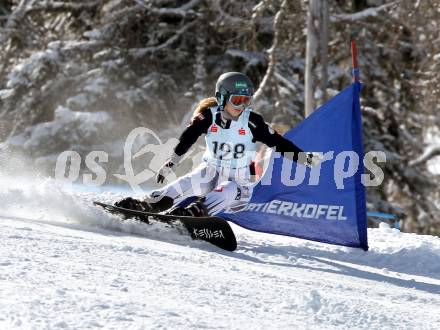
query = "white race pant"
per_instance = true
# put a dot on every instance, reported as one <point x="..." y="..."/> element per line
<point x="222" y="187"/>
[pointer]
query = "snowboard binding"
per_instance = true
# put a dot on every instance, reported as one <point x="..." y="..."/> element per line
<point x="130" y="203"/>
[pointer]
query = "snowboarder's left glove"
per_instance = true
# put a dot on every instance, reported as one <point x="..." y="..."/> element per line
<point x="164" y="171"/>
<point x="167" y="168"/>
<point x="310" y="159"/>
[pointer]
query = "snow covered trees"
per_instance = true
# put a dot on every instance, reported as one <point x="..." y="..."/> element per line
<point x="146" y="62"/>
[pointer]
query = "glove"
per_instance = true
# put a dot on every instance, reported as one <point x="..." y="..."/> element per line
<point x="164" y="171"/>
<point x="310" y="159"/>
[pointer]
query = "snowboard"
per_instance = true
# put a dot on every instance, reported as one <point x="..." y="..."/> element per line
<point x="214" y="230"/>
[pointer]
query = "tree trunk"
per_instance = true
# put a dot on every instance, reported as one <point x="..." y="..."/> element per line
<point x="324" y="50"/>
<point x="317" y="39"/>
<point x="311" y="50"/>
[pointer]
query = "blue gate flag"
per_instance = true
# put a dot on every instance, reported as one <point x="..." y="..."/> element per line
<point x="328" y="208"/>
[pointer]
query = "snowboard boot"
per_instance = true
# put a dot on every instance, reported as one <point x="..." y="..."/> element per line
<point x="195" y="209"/>
<point x="134" y="204"/>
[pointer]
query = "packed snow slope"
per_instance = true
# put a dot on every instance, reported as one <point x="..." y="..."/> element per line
<point x="66" y="264"/>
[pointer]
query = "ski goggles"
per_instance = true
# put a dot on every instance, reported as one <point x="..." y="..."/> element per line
<point x="240" y="100"/>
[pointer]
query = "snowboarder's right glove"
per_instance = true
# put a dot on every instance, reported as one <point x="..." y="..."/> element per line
<point x="310" y="159"/>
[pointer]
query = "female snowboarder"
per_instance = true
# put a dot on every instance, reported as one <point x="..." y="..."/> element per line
<point x="224" y="179"/>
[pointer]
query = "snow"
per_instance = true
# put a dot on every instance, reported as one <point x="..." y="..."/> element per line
<point x="432" y="139"/>
<point x="6" y="93"/>
<point x="369" y="12"/>
<point x="29" y="70"/>
<point x="66" y="264"/>
<point x="79" y="101"/>
<point x="83" y="124"/>
<point x="93" y="34"/>
<point x="96" y="85"/>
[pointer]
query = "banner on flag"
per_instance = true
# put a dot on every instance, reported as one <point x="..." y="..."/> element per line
<point x="328" y="204"/>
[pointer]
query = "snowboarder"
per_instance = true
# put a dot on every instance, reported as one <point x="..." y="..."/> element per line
<point x="225" y="177"/>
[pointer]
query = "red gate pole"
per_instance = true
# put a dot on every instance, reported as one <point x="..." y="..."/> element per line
<point x="354" y="61"/>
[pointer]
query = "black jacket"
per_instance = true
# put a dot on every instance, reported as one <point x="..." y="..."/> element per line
<point x="260" y="130"/>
